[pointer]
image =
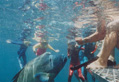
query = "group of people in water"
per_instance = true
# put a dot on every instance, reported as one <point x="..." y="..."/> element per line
<point x="80" y="50"/>
<point x="38" y="48"/>
<point x="108" y="33"/>
<point x="78" y="53"/>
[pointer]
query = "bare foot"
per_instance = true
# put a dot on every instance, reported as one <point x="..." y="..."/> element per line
<point x="116" y="67"/>
<point x="98" y="64"/>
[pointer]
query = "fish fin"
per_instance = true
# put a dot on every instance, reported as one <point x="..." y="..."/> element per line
<point x="14" y="79"/>
<point x="43" y="77"/>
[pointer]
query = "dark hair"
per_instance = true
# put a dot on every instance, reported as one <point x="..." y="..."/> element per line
<point x="72" y="44"/>
<point x="25" y="33"/>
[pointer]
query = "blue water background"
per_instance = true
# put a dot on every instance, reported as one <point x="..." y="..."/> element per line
<point x="11" y="24"/>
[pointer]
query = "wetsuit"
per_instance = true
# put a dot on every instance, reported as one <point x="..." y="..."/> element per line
<point x="21" y="52"/>
<point x="74" y="61"/>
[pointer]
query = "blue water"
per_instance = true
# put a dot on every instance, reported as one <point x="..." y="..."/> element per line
<point x="12" y="22"/>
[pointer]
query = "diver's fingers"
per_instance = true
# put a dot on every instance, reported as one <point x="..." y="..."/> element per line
<point x="8" y="41"/>
<point x="56" y="50"/>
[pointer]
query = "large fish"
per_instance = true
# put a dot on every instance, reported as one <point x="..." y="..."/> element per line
<point x="43" y="68"/>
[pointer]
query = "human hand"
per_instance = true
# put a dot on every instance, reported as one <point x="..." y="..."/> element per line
<point x="79" y="40"/>
<point x="8" y="41"/>
<point x="56" y="50"/>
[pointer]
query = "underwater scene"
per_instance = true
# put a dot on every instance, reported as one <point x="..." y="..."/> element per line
<point x="59" y="40"/>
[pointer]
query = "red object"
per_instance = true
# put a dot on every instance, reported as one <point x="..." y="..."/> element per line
<point x="74" y="53"/>
<point x="79" y="73"/>
<point x="94" y="49"/>
<point x="40" y="51"/>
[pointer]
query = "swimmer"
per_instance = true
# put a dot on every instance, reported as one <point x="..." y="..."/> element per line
<point x="42" y="47"/>
<point x="73" y="51"/>
<point x="21" y="52"/>
<point x="24" y="43"/>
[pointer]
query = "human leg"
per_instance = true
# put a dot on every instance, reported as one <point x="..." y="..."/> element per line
<point x="24" y="60"/>
<point x="70" y="73"/>
<point x="20" y="62"/>
<point x="80" y="74"/>
<point x="110" y="42"/>
<point x="76" y="75"/>
<point x="21" y="58"/>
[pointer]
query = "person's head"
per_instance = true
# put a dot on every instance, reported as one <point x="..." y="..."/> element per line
<point x="44" y="43"/>
<point x="71" y="45"/>
<point x="25" y="33"/>
<point x="44" y="40"/>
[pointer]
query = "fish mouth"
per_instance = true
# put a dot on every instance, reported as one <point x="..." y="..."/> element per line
<point x="64" y="58"/>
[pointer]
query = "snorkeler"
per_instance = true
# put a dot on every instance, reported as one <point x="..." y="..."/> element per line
<point x="73" y="51"/>
<point x="42" y="47"/>
<point x="23" y="46"/>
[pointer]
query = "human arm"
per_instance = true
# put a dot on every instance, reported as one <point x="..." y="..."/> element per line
<point x="98" y="35"/>
<point x="36" y="46"/>
<point x="14" y="42"/>
<point x="50" y="47"/>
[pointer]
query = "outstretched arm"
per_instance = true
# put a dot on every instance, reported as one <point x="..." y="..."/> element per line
<point x="98" y="35"/>
<point x="15" y="42"/>
<point x="50" y="47"/>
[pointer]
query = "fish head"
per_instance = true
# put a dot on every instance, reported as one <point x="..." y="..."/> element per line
<point x="51" y="63"/>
